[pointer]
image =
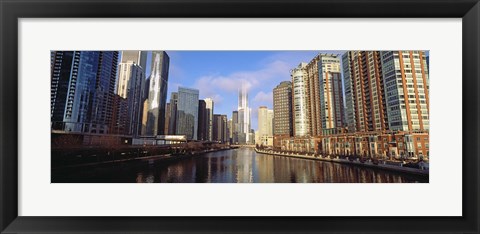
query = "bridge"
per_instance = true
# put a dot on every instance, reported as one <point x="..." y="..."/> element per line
<point x="245" y="146"/>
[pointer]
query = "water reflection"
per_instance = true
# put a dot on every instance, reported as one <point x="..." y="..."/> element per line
<point x="242" y="165"/>
<point x="245" y="166"/>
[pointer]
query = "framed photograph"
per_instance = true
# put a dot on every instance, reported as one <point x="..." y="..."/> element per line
<point x="227" y="116"/>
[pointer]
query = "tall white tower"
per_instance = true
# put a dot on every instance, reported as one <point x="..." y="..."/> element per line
<point x="244" y="115"/>
<point x="300" y="100"/>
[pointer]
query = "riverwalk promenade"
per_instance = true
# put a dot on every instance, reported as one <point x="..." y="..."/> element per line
<point x="397" y="166"/>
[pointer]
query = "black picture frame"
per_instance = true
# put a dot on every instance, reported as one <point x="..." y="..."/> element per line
<point x="12" y="10"/>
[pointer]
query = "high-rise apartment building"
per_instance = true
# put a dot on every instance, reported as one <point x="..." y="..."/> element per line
<point x="386" y="90"/>
<point x="331" y="112"/>
<point x="282" y="109"/>
<point x="187" y="113"/>
<point x="317" y="96"/>
<point x="300" y="102"/>
<point x="82" y="90"/>
<point x="157" y="96"/>
<point x="209" y="106"/>
<point x="364" y="91"/>
<point x="406" y="82"/>
<point x="202" y="133"/>
<point x="312" y="89"/>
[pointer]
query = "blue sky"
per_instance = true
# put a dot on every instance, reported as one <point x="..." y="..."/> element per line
<point x="218" y="74"/>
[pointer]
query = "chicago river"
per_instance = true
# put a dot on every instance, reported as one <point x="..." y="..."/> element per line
<point x="242" y="165"/>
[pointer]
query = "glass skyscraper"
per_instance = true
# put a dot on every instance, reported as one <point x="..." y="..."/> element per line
<point x="82" y="90"/>
<point x="187" y="113"/>
<point x="157" y="95"/>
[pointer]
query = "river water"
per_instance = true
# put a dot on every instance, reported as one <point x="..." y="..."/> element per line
<point x="241" y="165"/>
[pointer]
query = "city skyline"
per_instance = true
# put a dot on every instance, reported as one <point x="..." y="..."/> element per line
<point x="219" y="74"/>
<point x="207" y="70"/>
<point x="354" y="107"/>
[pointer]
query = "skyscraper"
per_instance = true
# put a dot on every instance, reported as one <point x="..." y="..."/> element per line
<point x="230" y="130"/>
<point x="225" y="138"/>
<point x="157" y="96"/>
<point x="209" y="106"/>
<point x="300" y="103"/>
<point x="330" y="93"/>
<point x="265" y="126"/>
<point x="406" y="81"/>
<point x="133" y="61"/>
<point x="119" y="124"/>
<point x="386" y="90"/>
<point x="202" y="133"/>
<point x="364" y="91"/>
<point x="168" y="116"/>
<point x="244" y="116"/>
<point x="187" y="113"/>
<point x="234" y="127"/>
<point x="220" y="128"/>
<point x="136" y="56"/>
<point x="282" y="109"/>
<point x="172" y="122"/>
<point x="134" y="100"/>
<point x="130" y="82"/>
<point x="82" y="90"/>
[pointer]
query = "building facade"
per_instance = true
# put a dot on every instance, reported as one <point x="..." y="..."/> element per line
<point x="332" y="113"/>
<point x="119" y="124"/>
<point x="136" y="56"/>
<point x="135" y="100"/>
<point x="405" y="74"/>
<point x="386" y="90"/>
<point x="264" y="135"/>
<point x="168" y="117"/>
<point x="220" y="133"/>
<point x="202" y="133"/>
<point x="187" y="113"/>
<point x="235" y="127"/>
<point x="300" y="104"/>
<point x="172" y="110"/>
<point x="157" y="96"/>
<point x="82" y="90"/>
<point x="282" y="112"/>
<point x="209" y="106"/>
<point x="366" y="108"/>
<point x="282" y="109"/>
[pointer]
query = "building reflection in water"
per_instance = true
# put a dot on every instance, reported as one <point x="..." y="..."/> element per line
<point x="232" y="166"/>
<point x="245" y="166"/>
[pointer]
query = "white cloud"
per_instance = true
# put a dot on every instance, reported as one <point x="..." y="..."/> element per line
<point x="212" y="84"/>
<point x="263" y="97"/>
